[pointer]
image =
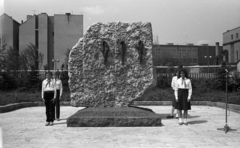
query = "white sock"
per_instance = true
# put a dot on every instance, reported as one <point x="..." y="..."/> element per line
<point x="185" y="120"/>
<point x="176" y="115"/>
<point x="180" y="119"/>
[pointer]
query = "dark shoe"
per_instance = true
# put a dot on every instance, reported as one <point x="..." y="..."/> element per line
<point x="51" y="124"/>
<point x="58" y="119"/>
<point x="47" y="123"/>
<point x="170" y="116"/>
<point x="176" y="117"/>
<point x="180" y="123"/>
<point x="185" y="123"/>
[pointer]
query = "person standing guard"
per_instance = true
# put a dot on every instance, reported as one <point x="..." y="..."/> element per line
<point x="49" y="97"/>
<point x="183" y="95"/>
<point x="59" y="90"/>
<point x="173" y="85"/>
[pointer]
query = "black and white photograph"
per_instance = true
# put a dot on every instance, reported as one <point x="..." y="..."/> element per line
<point x="119" y="74"/>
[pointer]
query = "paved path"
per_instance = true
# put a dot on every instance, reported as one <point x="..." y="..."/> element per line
<point x="24" y="128"/>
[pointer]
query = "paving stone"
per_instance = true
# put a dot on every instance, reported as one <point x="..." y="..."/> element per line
<point x="25" y="128"/>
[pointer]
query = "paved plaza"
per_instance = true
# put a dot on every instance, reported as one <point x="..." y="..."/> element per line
<point x="24" y="128"/>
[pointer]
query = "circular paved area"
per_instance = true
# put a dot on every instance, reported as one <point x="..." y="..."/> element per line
<point x="24" y="128"/>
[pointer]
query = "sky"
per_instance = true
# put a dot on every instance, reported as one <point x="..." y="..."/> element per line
<point x="173" y="21"/>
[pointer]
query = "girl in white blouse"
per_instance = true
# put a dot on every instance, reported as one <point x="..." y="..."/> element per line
<point x="59" y="90"/>
<point x="183" y="95"/>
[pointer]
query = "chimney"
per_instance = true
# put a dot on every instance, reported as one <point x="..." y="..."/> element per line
<point x="29" y="16"/>
<point x="217" y="49"/>
<point x="22" y="21"/>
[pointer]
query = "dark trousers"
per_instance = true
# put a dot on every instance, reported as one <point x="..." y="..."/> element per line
<point x="48" y="96"/>
<point x="57" y="104"/>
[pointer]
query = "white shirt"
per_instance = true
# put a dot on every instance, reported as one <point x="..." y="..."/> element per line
<point x="174" y="82"/>
<point x="183" y="84"/>
<point x="58" y="86"/>
<point x="48" y="86"/>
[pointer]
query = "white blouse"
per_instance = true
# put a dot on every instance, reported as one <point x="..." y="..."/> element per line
<point x="48" y="85"/>
<point x="58" y="86"/>
<point x="183" y="84"/>
<point x="174" y="82"/>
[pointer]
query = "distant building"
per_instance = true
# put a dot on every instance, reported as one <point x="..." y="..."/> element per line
<point x="189" y="54"/>
<point x="51" y="35"/>
<point x="9" y="31"/>
<point x="231" y="43"/>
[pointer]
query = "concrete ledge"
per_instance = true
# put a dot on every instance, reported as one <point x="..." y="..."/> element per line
<point x="231" y="107"/>
<point x="114" y="117"/>
<point x="15" y="106"/>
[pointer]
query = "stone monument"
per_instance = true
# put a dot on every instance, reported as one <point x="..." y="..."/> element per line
<point x="109" y="67"/>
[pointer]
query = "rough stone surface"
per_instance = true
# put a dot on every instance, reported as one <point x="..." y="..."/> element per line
<point x="114" y="117"/>
<point x="111" y="65"/>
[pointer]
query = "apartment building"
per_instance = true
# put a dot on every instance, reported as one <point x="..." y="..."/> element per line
<point x="231" y="43"/>
<point x="189" y="54"/>
<point x="9" y="31"/>
<point x="51" y="35"/>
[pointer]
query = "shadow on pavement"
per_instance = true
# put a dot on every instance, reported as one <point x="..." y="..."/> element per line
<point x="189" y="116"/>
<point x="197" y="122"/>
<point x="164" y="116"/>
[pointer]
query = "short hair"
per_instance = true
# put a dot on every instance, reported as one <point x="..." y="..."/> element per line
<point x="56" y="73"/>
<point x="48" y="72"/>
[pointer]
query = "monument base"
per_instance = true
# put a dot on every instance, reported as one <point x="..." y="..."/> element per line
<point x="114" y="117"/>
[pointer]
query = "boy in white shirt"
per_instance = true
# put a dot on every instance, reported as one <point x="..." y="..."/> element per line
<point x="49" y="96"/>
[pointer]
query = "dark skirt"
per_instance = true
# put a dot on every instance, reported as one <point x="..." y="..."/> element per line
<point x="182" y="103"/>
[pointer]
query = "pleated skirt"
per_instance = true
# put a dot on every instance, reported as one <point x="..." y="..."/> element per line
<point x="182" y="103"/>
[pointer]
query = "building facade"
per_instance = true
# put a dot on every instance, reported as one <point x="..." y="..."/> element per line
<point x="231" y="43"/>
<point x="186" y="54"/>
<point x="9" y="31"/>
<point x="51" y="35"/>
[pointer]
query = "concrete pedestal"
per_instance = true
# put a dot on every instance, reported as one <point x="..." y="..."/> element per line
<point x="114" y="117"/>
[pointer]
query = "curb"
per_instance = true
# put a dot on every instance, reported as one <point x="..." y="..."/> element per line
<point x="231" y="107"/>
<point x="15" y="106"/>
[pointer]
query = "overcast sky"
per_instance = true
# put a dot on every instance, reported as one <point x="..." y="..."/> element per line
<point x="173" y="21"/>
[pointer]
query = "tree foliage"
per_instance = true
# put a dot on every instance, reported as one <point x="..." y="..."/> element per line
<point x="20" y="68"/>
<point x="3" y="45"/>
<point x="30" y="58"/>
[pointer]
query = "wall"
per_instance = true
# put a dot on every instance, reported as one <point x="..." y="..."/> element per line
<point x="6" y="31"/>
<point x="27" y="33"/>
<point x="231" y="41"/>
<point x="67" y="31"/>
<point x="43" y="38"/>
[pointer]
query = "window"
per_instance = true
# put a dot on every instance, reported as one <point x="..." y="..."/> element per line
<point x="236" y="35"/>
<point x="232" y="37"/>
